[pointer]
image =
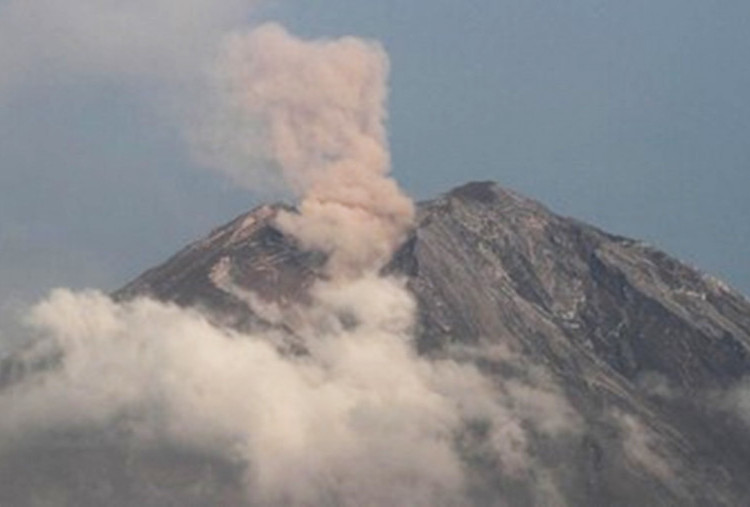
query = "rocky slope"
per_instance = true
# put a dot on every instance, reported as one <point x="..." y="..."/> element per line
<point x="646" y="352"/>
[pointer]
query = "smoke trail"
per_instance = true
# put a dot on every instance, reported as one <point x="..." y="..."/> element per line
<point x="318" y="108"/>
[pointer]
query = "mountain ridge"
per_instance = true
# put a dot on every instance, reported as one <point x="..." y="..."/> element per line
<point x="618" y="360"/>
<point x="485" y="262"/>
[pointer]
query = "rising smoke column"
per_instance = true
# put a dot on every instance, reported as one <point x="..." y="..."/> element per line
<point x="359" y="418"/>
<point x="319" y="107"/>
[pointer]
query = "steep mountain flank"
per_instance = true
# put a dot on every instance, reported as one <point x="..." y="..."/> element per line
<point x="643" y="351"/>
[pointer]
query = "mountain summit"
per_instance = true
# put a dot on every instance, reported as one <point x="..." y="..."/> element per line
<point x="621" y="370"/>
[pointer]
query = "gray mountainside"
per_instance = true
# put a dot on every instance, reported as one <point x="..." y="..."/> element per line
<point x="648" y="353"/>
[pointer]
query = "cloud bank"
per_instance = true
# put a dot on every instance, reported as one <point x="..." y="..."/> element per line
<point x="357" y="419"/>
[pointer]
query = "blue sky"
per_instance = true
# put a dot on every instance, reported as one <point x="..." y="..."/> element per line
<point x="634" y="116"/>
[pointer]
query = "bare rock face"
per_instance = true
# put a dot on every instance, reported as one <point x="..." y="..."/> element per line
<point x="639" y="341"/>
<point x="644" y="348"/>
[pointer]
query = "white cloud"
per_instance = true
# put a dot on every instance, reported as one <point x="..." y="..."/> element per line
<point x="641" y="447"/>
<point x="359" y="417"/>
<point x="735" y="400"/>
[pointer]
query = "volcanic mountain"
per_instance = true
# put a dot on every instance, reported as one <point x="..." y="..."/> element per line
<point x="639" y="359"/>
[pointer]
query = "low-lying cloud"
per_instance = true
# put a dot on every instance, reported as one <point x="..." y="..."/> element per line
<point x="358" y="417"/>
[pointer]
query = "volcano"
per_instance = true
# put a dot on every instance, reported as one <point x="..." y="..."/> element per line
<point x="649" y="355"/>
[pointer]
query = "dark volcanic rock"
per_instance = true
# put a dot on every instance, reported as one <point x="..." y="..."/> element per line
<point x="529" y="271"/>
<point x="639" y="343"/>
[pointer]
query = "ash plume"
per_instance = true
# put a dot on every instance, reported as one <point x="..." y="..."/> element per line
<point x="318" y="108"/>
<point x="357" y="417"/>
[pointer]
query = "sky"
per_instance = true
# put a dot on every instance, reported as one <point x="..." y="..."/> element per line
<point x="633" y="116"/>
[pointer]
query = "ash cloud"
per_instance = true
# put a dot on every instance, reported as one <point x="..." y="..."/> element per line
<point x="353" y="417"/>
<point x="313" y="111"/>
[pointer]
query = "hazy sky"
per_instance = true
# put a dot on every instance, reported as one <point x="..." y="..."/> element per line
<point x="634" y="116"/>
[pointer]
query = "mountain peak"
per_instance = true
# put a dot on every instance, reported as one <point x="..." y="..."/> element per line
<point x="556" y="313"/>
<point x="483" y="191"/>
